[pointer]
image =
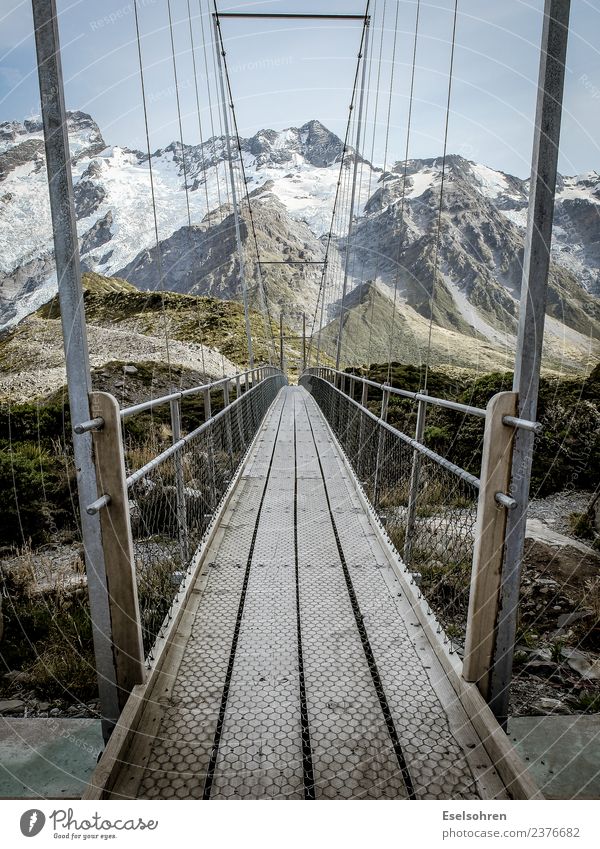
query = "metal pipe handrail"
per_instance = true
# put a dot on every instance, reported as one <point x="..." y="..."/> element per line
<point x="406" y="393"/>
<point x="185" y="393"/>
<point x="177" y="446"/>
<point x="510" y="421"/>
<point x="418" y="446"/>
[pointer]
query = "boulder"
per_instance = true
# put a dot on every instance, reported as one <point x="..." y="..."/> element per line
<point x="587" y="666"/>
<point x="556" y="557"/>
<point x="11" y="706"/>
<point x="546" y="705"/>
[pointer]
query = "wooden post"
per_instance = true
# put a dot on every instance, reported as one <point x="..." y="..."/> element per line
<point x="118" y="546"/>
<point x="488" y="552"/>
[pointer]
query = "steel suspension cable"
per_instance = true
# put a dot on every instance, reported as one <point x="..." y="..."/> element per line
<point x="191" y="246"/>
<point x="403" y="195"/>
<point x="219" y="113"/>
<point x="198" y="110"/>
<point x="385" y="154"/>
<point x="441" y="203"/>
<point x="202" y="163"/>
<point x="222" y="130"/>
<point x="337" y="266"/>
<point x="178" y="104"/>
<point x="375" y="122"/>
<point x="244" y="184"/>
<point x="375" y="112"/>
<point x="321" y="295"/>
<point x="218" y="50"/>
<point x="353" y="192"/>
<point x="369" y="60"/>
<point x="210" y="103"/>
<point x="152" y="190"/>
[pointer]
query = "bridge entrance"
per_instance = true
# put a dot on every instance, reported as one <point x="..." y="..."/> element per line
<point x="299" y="668"/>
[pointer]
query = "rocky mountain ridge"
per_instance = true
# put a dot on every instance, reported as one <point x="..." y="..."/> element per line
<point x="292" y="176"/>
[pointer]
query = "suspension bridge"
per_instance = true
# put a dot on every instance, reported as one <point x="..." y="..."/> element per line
<point x="259" y="626"/>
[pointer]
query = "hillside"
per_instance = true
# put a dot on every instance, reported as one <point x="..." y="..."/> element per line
<point x="206" y="339"/>
<point x="370" y="319"/>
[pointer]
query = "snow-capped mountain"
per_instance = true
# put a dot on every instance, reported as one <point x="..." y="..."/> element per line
<point x="480" y="255"/>
<point x="292" y="178"/>
<point x="295" y="171"/>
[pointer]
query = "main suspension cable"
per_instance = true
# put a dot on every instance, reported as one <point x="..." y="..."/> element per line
<point x="210" y="104"/>
<point x="198" y="112"/>
<point x="375" y="122"/>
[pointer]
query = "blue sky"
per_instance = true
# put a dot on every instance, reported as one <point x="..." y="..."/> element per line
<point x="285" y="73"/>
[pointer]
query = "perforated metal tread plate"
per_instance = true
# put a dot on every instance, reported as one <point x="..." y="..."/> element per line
<point x="258" y="750"/>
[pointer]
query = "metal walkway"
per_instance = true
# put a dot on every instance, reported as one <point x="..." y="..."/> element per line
<point x="299" y="669"/>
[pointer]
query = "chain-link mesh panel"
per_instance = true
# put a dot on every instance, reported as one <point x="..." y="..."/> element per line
<point x="429" y="511"/>
<point x="172" y="505"/>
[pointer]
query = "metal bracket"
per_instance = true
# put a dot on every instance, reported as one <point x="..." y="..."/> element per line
<point x="524" y="424"/>
<point x="505" y="501"/>
<point x="91" y="424"/>
<point x="97" y="505"/>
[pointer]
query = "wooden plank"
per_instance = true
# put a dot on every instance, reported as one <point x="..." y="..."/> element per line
<point x="117" y="543"/>
<point x="486" y="573"/>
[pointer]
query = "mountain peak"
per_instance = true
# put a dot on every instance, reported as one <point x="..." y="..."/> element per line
<point x="84" y="133"/>
<point x="312" y="142"/>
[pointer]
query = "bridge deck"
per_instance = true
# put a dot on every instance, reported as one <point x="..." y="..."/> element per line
<point x="298" y="669"/>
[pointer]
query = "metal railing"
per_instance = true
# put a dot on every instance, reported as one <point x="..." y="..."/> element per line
<point x="446" y="523"/>
<point x="427" y="503"/>
<point x="162" y="482"/>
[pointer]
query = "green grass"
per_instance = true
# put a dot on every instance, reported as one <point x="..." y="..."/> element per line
<point x="210" y="321"/>
<point x="47" y="637"/>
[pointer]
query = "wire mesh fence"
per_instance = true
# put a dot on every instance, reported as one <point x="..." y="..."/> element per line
<point x="173" y="497"/>
<point x="428" y="505"/>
